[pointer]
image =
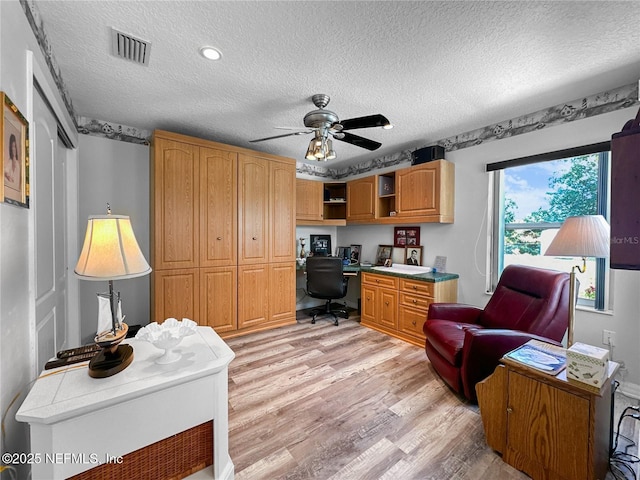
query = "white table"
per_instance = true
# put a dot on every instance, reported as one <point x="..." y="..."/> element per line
<point x="77" y="421"/>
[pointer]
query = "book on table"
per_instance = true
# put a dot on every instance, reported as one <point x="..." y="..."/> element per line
<point x="542" y="356"/>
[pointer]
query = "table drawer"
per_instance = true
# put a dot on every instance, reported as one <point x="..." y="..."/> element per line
<point x="411" y="321"/>
<point x="380" y="280"/>
<point x="415" y="301"/>
<point x="415" y="286"/>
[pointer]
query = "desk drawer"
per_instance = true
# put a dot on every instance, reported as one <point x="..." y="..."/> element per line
<point x="417" y="287"/>
<point x="411" y="321"/>
<point x="415" y="301"/>
<point x="380" y="280"/>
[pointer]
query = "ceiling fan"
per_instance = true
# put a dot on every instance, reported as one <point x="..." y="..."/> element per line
<point x="326" y="125"/>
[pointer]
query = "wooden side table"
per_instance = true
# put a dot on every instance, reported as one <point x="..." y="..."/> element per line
<point x="547" y="426"/>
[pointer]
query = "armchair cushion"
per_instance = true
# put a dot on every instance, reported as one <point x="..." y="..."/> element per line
<point x="465" y="343"/>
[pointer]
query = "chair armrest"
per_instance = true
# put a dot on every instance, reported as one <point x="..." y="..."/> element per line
<point x="455" y="312"/>
<point x="483" y="349"/>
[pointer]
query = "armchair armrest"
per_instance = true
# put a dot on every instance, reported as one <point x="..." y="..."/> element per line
<point x="483" y="349"/>
<point x="455" y="312"/>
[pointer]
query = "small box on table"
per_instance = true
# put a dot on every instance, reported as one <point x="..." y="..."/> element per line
<point x="587" y="364"/>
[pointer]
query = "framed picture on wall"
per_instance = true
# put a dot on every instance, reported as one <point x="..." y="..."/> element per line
<point x="406" y="236"/>
<point x="15" y="155"/>
<point x="413" y="255"/>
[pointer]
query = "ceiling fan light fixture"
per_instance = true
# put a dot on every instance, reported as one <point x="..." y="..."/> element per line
<point x="210" y="53"/>
<point x="310" y="155"/>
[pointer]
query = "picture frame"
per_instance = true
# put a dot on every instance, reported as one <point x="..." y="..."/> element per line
<point x="320" y="244"/>
<point x="344" y="253"/>
<point x="406" y="236"/>
<point x="383" y="254"/>
<point x="355" y="254"/>
<point x="15" y="155"/>
<point x="413" y="255"/>
<point x="398" y="255"/>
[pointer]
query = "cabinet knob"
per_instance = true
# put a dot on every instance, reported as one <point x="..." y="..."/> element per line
<point x="509" y="410"/>
<point x="415" y="287"/>
<point x="218" y="238"/>
<point x="254" y="238"/>
<point x="386" y="303"/>
<point x="413" y="323"/>
<point x="415" y="301"/>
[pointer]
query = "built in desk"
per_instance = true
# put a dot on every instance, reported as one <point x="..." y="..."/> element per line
<point x="78" y="422"/>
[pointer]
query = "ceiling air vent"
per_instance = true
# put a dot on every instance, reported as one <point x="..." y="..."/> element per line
<point x="129" y="47"/>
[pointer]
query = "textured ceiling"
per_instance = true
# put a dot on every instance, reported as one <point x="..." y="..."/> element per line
<point x="435" y="69"/>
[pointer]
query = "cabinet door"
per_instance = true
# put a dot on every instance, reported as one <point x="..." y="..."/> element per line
<point x="282" y="217"/>
<point x="253" y="295"/>
<point x="218" y="298"/>
<point x="547" y="429"/>
<point x="282" y="294"/>
<point x="175" y="294"/>
<point x="176" y="204"/>
<point x="387" y="307"/>
<point x="309" y="200"/>
<point x="253" y="210"/>
<point x="218" y="207"/>
<point x="368" y="305"/>
<point x="361" y="199"/>
<point x="418" y="190"/>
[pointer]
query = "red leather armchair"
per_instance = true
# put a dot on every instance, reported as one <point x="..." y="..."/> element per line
<point x="465" y="343"/>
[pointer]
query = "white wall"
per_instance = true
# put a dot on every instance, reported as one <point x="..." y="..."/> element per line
<point x="17" y="303"/>
<point x="116" y="173"/>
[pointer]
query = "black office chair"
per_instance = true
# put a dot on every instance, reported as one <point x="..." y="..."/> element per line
<point x="325" y="280"/>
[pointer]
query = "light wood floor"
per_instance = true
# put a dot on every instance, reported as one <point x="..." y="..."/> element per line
<point x="326" y="402"/>
<point x="348" y="403"/>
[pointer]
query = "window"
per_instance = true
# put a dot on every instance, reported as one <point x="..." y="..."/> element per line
<point x="533" y="196"/>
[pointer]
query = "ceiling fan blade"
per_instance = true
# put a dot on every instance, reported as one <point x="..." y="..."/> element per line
<point x="280" y="136"/>
<point x="358" y="141"/>
<point x="365" y="122"/>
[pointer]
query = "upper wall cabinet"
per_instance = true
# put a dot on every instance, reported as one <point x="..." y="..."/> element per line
<point x="426" y="190"/>
<point x="319" y="203"/>
<point x="419" y="194"/>
<point x="362" y="199"/>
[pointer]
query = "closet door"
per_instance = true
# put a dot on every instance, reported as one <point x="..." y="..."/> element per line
<point x="218" y="207"/>
<point x="176" y="204"/>
<point x="282" y="199"/>
<point x="253" y="210"/>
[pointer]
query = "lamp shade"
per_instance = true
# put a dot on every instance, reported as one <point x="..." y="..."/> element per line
<point x="582" y="236"/>
<point x="110" y="250"/>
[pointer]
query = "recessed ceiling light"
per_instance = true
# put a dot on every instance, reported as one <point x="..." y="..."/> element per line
<point x="210" y="53"/>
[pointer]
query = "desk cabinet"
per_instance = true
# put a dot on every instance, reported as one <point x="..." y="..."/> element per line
<point x="398" y="306"/>
<point x="380" y="301"/>
<point x="545" y="426"/>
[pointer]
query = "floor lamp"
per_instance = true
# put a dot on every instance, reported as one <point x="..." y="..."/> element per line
<point x="583" y="236"/>
<point x="111" y="252"/>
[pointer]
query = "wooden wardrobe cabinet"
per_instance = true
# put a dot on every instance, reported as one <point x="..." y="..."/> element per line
<point x="215" y="209"/>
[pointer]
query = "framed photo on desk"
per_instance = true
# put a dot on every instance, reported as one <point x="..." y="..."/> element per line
<point x="355" y="254"/>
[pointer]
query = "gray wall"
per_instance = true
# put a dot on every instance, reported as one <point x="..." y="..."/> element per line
<point x="116" y="173"/>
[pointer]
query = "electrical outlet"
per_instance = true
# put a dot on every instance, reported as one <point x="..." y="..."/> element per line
<point x="608" y="337"/>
